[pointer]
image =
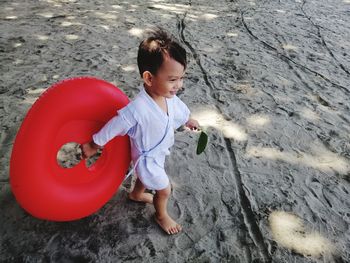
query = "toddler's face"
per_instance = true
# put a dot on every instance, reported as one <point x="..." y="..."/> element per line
<point x="169" y="78"/>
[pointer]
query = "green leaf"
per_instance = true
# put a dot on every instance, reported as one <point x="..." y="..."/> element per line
<point x="202" y="142"/>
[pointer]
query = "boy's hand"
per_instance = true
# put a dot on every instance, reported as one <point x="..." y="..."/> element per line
<point x="192" y="124"/>
<point x="89" y="149"/>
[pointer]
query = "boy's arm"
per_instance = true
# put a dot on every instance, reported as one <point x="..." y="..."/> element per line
<point x="117" y="126"/>
<point x="181" y="113"/>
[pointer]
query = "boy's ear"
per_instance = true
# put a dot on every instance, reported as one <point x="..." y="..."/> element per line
<point x="147" y="78"/>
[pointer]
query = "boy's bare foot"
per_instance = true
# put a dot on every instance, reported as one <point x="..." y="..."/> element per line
<point x="144" y="197"/>
<point x="168" y="225"/>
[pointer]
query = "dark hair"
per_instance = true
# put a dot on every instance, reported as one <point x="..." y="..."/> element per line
<point x="152" y="50"/>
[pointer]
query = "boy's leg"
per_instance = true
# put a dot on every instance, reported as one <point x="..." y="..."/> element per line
<point x="160" y="202"/>
<point x="138" y="193"/>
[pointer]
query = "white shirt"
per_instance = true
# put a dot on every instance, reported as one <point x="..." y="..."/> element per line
<point x="150" y="129"/>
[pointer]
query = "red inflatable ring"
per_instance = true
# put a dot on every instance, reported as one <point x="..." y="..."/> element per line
<point x="70" y="111"/>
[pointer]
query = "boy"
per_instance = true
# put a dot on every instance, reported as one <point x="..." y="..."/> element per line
<point x="150" y="120"/>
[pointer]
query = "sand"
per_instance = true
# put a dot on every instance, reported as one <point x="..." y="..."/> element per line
<point x="269" y="80"/>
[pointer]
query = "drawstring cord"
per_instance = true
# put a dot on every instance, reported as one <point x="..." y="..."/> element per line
<point x="144" y="153"/>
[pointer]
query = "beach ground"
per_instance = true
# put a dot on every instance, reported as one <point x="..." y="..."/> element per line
<point x="269" y="80"/>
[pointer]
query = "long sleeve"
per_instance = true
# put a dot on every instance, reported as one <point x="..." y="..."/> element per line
<point x="181" y="113"/>
<point x="117" y="126"/>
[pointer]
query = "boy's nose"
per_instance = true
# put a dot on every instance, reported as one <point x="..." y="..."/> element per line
<point x="179" y="85"/>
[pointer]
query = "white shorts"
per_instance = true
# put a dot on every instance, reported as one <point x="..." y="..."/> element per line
<point x="151" y="174"/>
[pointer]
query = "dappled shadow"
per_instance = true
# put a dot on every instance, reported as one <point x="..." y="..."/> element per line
<point x="288" y="231"/>
<point x="320" y="158"/>
<point x="212" y="118"/>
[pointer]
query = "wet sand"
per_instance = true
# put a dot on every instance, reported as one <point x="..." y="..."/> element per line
<point x="270" y="82"/>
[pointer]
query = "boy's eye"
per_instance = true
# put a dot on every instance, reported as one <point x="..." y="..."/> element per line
<point x="176" y="79"/>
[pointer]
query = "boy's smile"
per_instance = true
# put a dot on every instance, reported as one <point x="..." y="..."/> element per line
<point x="167" y="81"/>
